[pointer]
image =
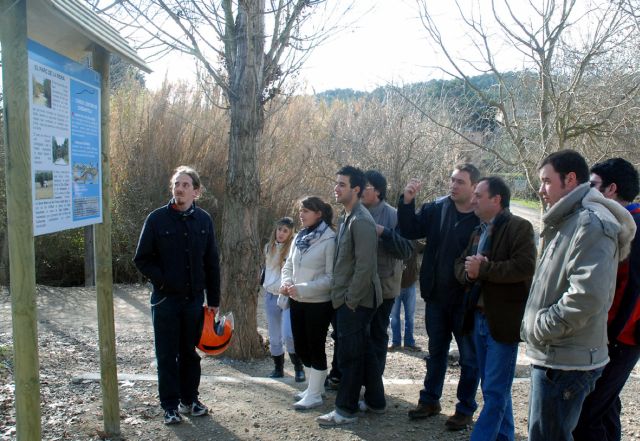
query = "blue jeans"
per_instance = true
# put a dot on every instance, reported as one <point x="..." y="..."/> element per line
<point x="441" y="321"/>
<point x="278" y="326"/>
<point x="555" y="401"/>
<point x="177" y="326"/>
<point x="497" y="366"/>
<point x="600" y="415"/>
<point x="407" y="298"/>
<point x="355" y="357"/>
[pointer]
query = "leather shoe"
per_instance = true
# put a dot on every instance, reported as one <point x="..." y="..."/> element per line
<point x="458" y="421"/>
<point x="424" y="411"/>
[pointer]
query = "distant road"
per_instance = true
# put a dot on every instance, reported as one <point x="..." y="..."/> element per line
<point x="530" y="214"/>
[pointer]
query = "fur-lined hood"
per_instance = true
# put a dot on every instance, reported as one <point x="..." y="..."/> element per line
<point x="610" y="209"/>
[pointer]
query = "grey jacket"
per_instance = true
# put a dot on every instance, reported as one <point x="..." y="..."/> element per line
<point x="583" y="237"/>
<point x="355" y="276"/>
<point x="392" y="249"/>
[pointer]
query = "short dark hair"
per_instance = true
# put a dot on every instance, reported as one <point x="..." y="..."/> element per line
<point x="567" y="161"/>
<point x="620" y="172"/>
<point x="356" y="177"/>
<point x="378" y="181"/>
<point x="474" y="173"/>
<point x="497" y="187"/>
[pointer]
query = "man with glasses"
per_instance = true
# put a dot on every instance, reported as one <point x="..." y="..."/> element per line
<point x="392" y="249"/>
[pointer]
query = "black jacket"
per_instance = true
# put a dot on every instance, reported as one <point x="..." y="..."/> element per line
<point x="179" y="254"/>
<point x="446" y="238"/>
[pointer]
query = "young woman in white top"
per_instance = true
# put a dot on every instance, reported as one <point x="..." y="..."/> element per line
<point x="278" y="319"/>
<point x="306" y="280"/>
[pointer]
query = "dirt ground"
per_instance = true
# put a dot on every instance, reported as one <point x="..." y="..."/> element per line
<point x="244" y="404"/>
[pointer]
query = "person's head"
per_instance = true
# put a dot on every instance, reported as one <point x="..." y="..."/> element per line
<point x="185" y="186"/>
<point x="490" y="197"/>
<point x="560" y="173"/>
<point x="282" y="234"/>
<point x="375" y="189"/>
<point x="313" y="210"/>
<point x="463" y="181"/>
<point x="350" y="182"/>
<point x="616" y="179"/>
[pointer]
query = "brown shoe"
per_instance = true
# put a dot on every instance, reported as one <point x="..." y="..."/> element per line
<point x="413" y="348"/>
<point x="393" y="348"/>
<point x="424" y="411"/>
<point x="458" y="421"/>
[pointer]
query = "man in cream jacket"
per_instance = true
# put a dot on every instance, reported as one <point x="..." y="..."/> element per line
<point x="584" y="236"/>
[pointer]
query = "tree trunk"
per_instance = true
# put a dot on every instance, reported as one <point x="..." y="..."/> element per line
<point x="240" y="247"/>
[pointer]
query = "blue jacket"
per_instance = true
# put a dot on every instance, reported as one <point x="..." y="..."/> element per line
<point x="179" y="254"/>
<point x="447" y="238"/>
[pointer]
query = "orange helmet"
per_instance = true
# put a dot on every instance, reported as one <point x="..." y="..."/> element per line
<point x="216" y="332"/>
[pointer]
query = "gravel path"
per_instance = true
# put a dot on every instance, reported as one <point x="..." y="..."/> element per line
<point x="245" y="405"/>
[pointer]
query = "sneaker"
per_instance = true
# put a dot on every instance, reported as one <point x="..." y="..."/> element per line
<point x="393" y="348"/>
<point x="413" y="348"/>
<point x="194" y="409"/>
<point x="172" y="416"/>
<point x="332" y="383"/>
<point x="458" y="421"/>
<point x="333" y="418"/>
<point x="364" y="407"/>
<point x="424" y="411"/>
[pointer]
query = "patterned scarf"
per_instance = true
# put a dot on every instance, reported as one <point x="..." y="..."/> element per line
<point x="308" y="236"/>
<point x="188" y="212"/>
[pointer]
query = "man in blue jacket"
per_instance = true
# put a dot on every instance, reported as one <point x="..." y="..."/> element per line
<point x="177" y="252"/>
<point x="447" y="224"/>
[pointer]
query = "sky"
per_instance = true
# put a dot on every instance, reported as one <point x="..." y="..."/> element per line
<point x="386" y="43"/>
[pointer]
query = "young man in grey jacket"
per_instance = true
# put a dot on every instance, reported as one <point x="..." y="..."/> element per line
<point x="355" y="294"/>
<point x="584" y="236"/>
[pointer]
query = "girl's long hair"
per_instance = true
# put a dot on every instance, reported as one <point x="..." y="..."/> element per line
<point x="271" y="246"/>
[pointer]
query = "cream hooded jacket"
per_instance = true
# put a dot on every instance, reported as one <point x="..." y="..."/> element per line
<point x="311" y="271"/>
<point x="584" y="236"/>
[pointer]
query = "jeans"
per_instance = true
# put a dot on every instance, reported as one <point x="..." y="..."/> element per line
<point x="555" y="401"/>
<point x="600" y="415"/>
<point x="355" y="357"/>
<point x="407" y="298"/>
<point x="278" y="326"/>
<point x="497" y="366"/>
<point x="379" y="342"/>
<point x="177" y="326"/>
<point x="441" y="321"/>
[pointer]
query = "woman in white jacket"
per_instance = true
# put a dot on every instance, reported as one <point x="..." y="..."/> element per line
<point x="306" y="280"/>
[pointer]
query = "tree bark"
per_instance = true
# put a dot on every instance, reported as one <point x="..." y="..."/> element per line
<point x="240" y="255"/>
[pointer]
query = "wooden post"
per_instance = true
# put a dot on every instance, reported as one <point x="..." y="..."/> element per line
<point x="89" y="256"/>
<point x="104" y="276"/>
<point x="13" y="35"/>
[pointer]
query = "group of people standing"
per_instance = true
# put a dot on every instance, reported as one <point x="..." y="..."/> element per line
<point x="574" y="298"/>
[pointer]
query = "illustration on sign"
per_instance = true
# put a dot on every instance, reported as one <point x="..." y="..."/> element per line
<point x="65" y="142"/>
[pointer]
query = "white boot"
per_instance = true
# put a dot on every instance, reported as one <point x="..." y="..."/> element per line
<point x="313" y="396"/>
<point x="300" y="395"/>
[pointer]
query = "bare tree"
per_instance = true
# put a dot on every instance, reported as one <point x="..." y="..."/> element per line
<point x="579" y="73"/>
<point x="234" y="50"/>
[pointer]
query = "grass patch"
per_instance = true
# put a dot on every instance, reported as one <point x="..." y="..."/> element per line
<point x="527" y="203"/>
<point x="6" y="361"/>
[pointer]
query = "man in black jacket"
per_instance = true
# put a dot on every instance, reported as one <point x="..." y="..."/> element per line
<point x="177" y="252"/>
<point x="447" y="224"/>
